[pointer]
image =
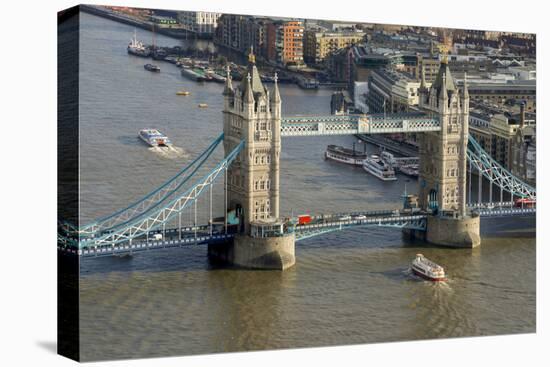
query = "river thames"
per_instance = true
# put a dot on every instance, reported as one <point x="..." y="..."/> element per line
<point x="346" y="288"/>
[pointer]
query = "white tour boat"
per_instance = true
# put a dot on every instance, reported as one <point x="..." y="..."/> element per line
<point x="427" y="269"/>
<point x="378" y="168"/>
<point x="154" y="138"/>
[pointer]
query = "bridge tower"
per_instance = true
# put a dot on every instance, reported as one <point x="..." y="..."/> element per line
<point x="443" y="162"/>
<point x="253" y="113"/>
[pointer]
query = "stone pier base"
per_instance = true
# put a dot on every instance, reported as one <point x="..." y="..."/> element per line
<point x="453" y="232"/>
<point x="271" y="253"/>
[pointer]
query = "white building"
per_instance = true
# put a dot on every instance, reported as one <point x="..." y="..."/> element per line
<point x="201" y="22"/>
<point x="523" y="72"/>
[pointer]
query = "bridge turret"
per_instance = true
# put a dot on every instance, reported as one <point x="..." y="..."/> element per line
<point x="253" y="189"/>
<point x="463" y="148"/>
<point x="253" y="178"/>
<point x="465" y="94"/>
<point x="443" y="98"/>
<point x="443" y="156"/>
<point x="442" y="153"/>
<point x="423" y="89"/>
<point x="228" y="92"/>
<point x="248" y="97"/>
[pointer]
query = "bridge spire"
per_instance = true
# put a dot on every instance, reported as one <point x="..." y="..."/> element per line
<point x="248" y="93"/>
<point x="444" y="98"/>
<point x="228" y="90"/>
<point x="465" y="94"/>
<point x="276" y="94"/>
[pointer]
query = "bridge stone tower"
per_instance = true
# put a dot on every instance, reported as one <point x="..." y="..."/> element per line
<point x="252" y="113"/>
<point x="443" y="162"/>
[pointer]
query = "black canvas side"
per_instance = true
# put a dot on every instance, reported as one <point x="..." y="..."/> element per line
<point x="68" y="28"/>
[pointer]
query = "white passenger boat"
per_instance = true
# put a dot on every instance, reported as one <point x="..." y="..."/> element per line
<point x="427" y="269"/>
<point x="378" y="168"/>
<point x="345" y="155"/>
<point x="154" y="138"/>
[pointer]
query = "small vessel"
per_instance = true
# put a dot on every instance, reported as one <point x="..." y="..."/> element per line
<point x="159" y="54"/>
<point x="388" y="158"/>
<point x="183" y="93"/>
<point x="217" y="78"/>
<point x="427" y="269"/>
<point x="154" y="138"/>
<point x="308" y="83"/>
<point x="137" y="48"/>
<point x="203" y="105"/>
<point x="151" y="67"/>
<point x="409" y="170"/>
<point x="378" y="168"/>
<point x="345" y="155"/>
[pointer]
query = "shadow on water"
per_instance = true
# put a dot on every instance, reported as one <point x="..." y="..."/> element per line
<point x="166" y="260"/>
<point x="174" y="259"/>
<point x="397" y="274"/>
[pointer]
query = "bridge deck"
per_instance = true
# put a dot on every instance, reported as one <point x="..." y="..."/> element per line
<point x="321" y="224"/>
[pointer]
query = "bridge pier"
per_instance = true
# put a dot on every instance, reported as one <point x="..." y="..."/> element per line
<point x="266" y="253"/>
<point x="453" y="231"/>
<point x="449" y="231"/>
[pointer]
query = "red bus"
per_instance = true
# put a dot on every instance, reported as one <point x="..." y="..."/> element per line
<point x="525" y="203"/>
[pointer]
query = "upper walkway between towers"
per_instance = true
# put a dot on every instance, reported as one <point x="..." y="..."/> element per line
<point x="321" y="125"/>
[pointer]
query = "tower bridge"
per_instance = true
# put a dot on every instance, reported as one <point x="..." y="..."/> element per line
<point x="251" y="232"/>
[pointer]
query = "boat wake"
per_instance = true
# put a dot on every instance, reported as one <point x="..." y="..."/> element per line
<point x="170" y="151"/>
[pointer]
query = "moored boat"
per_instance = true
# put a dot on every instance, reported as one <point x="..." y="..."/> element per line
<point x="193" y="74"/>
<point x="409" y="170"/>
<point x="427" y="269"/>
<point x="378" y="168"/>
<point x="345" y="155"/>
<point x="137" y="48"/>
<point x="154" y="138"/>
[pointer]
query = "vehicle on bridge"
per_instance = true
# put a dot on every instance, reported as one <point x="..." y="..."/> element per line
<point x="525" y="203"/>
<point x="304" y="219"/>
